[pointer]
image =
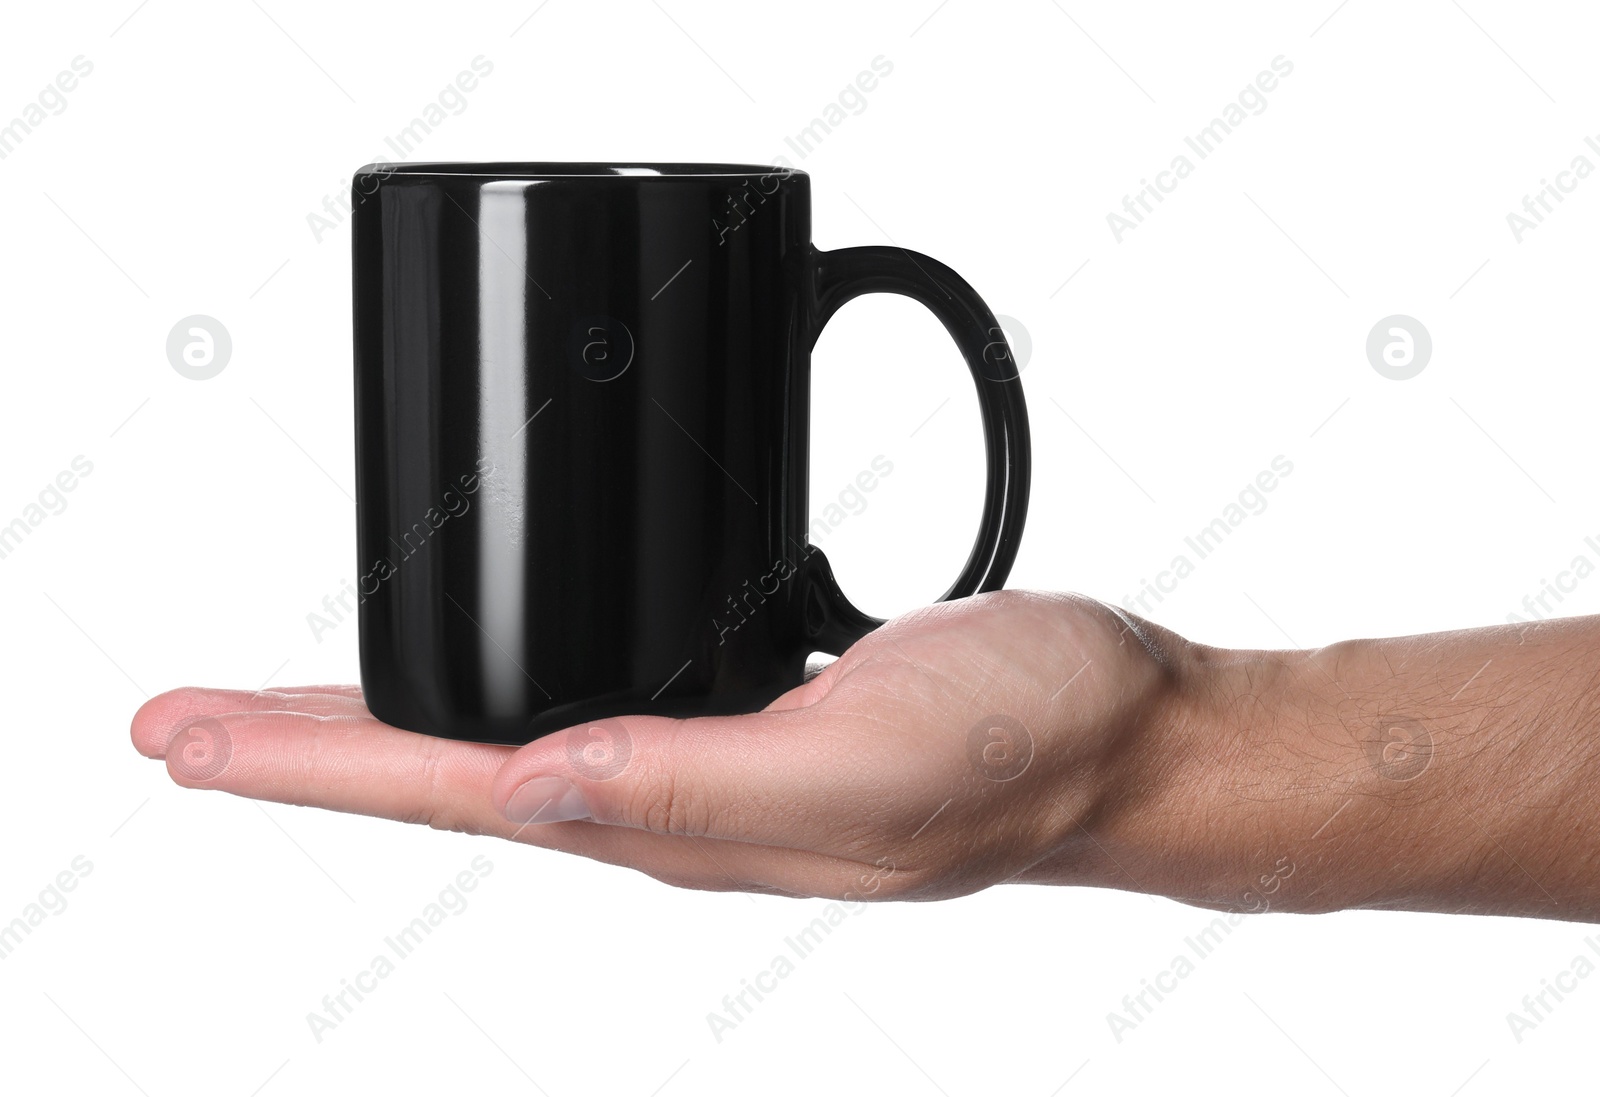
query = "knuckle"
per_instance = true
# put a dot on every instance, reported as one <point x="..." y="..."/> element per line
<point x="431" y="804"/>
<point x="661" y="804"/>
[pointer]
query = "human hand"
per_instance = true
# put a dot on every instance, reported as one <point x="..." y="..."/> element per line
<point x="963" y="745"/>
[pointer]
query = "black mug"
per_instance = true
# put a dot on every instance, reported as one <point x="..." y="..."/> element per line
<point x="582" y="414"/>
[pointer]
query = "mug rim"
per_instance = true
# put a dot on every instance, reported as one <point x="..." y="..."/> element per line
<point x="555" y="169"/>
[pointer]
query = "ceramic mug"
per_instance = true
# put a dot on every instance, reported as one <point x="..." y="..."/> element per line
<point x="582" y="414"/>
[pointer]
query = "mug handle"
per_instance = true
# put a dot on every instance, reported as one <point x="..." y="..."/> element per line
<point x="835" y="277"/>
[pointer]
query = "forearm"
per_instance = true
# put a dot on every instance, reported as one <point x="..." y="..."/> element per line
<point x="1456" y="772"/>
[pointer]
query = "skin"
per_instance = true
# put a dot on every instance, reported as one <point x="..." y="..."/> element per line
<point x="1026" y="738"/>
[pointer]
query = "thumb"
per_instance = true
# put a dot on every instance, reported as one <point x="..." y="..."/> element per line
<point x="751" y="778"/>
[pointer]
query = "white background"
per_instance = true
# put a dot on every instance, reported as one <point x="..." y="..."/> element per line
<point x="1167" y="370"/>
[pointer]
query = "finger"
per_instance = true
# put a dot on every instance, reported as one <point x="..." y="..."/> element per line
<point x="788" y="778"/>
<point x="369" y="768"/>
<point x="809" y="692"/>
<point x="334" y="760"/>
<point x="334" y="690"/>
<point x="161" y="716"/>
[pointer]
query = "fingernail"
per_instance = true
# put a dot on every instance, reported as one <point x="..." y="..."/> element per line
<point x="546" y="800"/>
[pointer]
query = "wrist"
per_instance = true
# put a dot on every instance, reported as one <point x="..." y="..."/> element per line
<point x="1413" y="773"/>
<point x="1243" y="769"/>
<point x="1341" y="777"/>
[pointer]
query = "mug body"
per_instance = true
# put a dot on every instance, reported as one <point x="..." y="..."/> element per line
<point x="581" y="425"/>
